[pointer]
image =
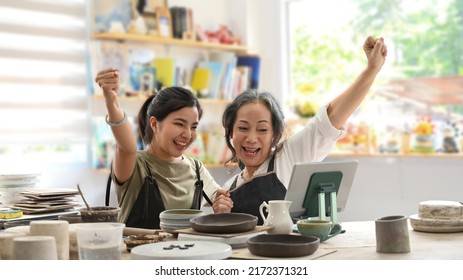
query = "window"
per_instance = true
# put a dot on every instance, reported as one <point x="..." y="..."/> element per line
<point x="43" y="102"/>
<point x="422" y="78"/>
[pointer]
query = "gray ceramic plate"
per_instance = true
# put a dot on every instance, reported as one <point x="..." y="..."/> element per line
<point x="283" y="245"/>
<point x="224" y="223"/>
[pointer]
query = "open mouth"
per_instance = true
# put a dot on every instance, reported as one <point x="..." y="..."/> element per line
<point x="251" y="151"/>
<point x="180" y="144"/>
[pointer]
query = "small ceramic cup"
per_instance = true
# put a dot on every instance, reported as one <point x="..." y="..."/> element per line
<point x="56" y="228"/>
<point x="323" y="229"/>
<point x="6" y="244"/>
<point x="34" y="248"/>
<point x="392" y="234"/>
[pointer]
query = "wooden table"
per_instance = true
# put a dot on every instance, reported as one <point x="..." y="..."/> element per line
<point x="359" y="243"/>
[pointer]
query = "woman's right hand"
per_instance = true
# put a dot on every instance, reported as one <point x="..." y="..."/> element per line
<point x="222" y="202"/>
<point x="108" y="80"/>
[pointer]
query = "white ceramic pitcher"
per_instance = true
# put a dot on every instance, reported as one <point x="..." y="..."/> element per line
<point x="278" y="217"/>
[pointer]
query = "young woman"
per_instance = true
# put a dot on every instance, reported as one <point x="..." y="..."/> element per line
<point x="160" y="177"/>
<point x="254" y="126"/>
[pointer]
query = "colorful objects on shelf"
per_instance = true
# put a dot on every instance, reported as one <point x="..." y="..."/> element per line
<point x="423" y="136"/>
<point x="450" y="133"/>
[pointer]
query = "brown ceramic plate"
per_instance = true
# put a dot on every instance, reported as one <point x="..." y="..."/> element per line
<point x="283" y="245"/>
<point x="224" y="223"/>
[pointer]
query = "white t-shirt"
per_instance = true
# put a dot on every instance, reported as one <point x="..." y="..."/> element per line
<point x="313" y="143"/>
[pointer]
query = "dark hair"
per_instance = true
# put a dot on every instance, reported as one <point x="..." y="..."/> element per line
<point x="161" y="104"/>
<point x="253" y="96"/>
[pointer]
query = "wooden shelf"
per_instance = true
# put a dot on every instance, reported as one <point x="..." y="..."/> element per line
<point x="141" y="98"/>
<point x="169" y="42"/>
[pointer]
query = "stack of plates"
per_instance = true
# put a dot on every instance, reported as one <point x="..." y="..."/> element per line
<point x="174" y="219"/>
<point x="11" y="185"/>
<point x="37" y="201"/>
<point x="438" y="216"/>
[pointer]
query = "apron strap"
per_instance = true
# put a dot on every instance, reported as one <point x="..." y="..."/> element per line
<point x="198" y="188"/>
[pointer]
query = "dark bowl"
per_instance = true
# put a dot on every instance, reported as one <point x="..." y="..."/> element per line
<point x="283" y="245"/>
<point x="224" y="223"/>
<point x="99" y="214"/>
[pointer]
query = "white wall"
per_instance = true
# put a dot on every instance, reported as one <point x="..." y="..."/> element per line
<point x="396" y="186"/>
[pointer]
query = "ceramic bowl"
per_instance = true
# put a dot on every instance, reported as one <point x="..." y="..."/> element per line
<point x="173" y="219"/>
<point x="224" y="223"/>
<point x="283" y="245"/>
<point x="99" y="214"/>
<point x="311" y="227"/>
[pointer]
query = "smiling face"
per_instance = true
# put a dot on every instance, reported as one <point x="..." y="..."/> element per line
<point x="174" y="134"/>
<point x="252" y="135"/>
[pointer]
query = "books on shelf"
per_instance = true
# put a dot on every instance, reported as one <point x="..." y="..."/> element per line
<point x="142" y="74"/>
<point x="200" y="79"/>
<point x="107" y="54"/>
<point x="228" y="61"/>
<point x="216" y="69"/>
<point x="165" y="71"/>
<point x="252" y="62"/>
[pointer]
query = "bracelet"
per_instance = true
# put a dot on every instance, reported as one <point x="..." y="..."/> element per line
<point x="119" y="123"/>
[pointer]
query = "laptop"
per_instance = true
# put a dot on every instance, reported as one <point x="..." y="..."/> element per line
<point x="307" y="180"/>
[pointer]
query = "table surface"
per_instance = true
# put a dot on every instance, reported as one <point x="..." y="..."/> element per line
<point x="359" y="243"/>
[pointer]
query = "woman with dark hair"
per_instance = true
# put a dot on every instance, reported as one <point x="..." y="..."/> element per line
<point x="254" y="126"/>
<point x="159" y="177"/>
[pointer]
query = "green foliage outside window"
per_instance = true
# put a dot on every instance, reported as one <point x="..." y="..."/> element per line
<point x="425" y="38"/>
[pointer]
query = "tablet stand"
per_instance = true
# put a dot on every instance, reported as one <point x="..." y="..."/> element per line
<point x="327" y="189"/>
<point x="322" y="190"/>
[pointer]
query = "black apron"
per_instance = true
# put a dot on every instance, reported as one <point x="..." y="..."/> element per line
<point x="248" y="197"/>
<point x="145" y="212"/>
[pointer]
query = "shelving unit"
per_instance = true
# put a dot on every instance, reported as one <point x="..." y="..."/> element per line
<point x="125" y="37"/>
<point x="131" y="104"/>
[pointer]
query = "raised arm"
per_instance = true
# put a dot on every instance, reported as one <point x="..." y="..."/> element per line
<point x="126" y="142"/>
<point x="343" y="106"/>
